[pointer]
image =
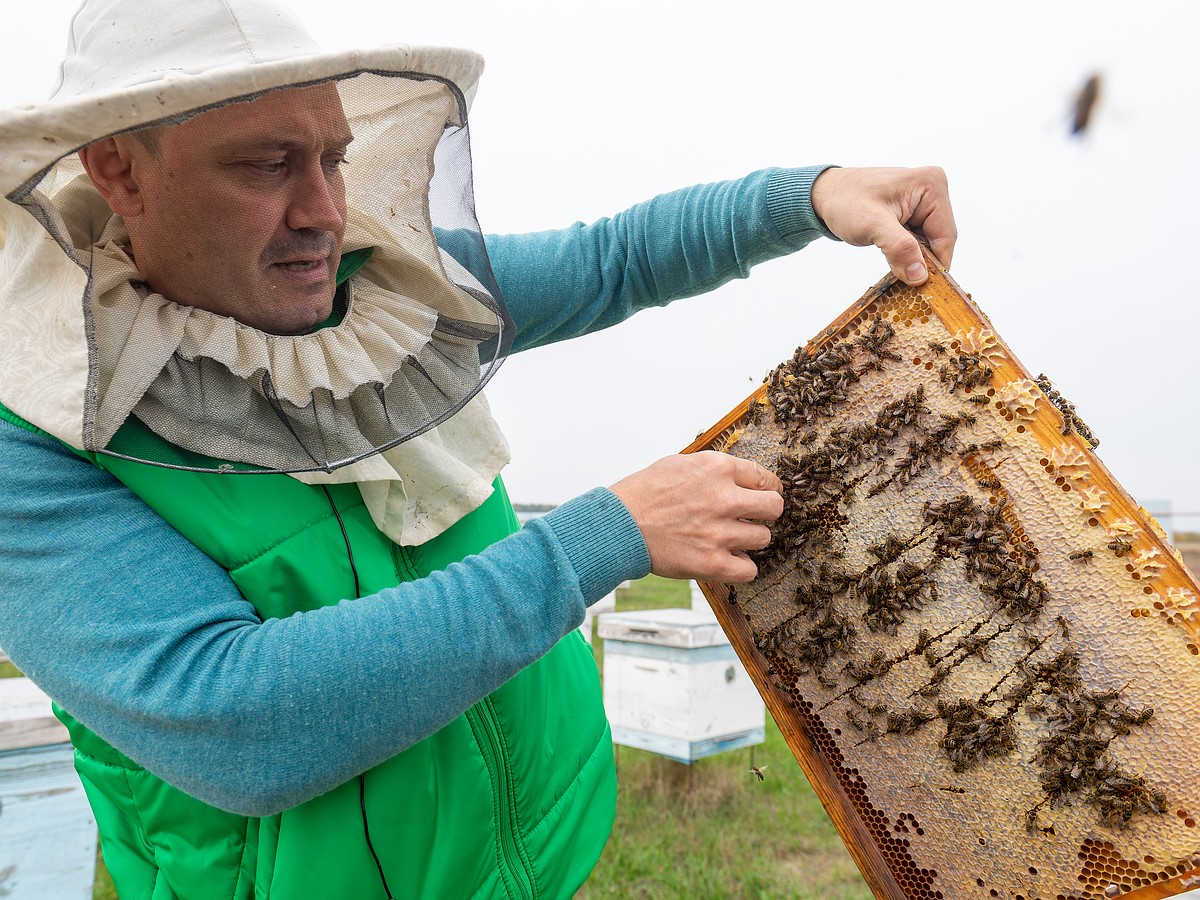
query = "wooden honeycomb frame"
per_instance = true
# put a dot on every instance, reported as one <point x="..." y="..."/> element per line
<point x="1053" y="756"/>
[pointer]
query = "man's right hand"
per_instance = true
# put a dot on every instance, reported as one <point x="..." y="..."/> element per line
<point x="699" y="514"/>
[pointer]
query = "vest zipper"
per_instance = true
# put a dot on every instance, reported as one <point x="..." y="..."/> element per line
<point x="516" y="869"/>
<point x="405" y="570"/>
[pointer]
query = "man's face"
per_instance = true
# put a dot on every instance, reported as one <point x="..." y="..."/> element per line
<point x="243" y="209"/>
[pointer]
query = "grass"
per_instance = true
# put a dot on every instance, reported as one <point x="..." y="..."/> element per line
<point x="709" y="831"/>
<point x="712" y="829"/>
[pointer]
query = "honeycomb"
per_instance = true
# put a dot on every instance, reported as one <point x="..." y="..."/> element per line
<point x="980" y="649"/>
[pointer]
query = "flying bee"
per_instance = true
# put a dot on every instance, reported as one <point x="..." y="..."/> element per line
<point x="1084" y="104"/>
<point x="759" y="772"/>
<point x="1081" y="555"/>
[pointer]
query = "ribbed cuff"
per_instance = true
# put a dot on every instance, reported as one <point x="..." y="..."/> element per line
<point x="789" y="202"/>
<point x="602" y="541"/>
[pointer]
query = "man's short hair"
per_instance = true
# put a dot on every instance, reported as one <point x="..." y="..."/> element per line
<point x="150" y="138"/>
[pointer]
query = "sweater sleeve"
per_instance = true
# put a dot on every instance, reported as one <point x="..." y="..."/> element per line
<point x="100" y="600"/>
<point x="561" y="284"/>
<point x="101" y="607"/>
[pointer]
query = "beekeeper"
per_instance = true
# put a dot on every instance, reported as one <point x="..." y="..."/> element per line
<point x="254" y="540"/>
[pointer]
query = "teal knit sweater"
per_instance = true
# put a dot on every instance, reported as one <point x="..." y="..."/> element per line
<point x="97" y="592"/>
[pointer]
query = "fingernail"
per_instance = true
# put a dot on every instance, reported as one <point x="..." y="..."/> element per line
<point x="916" y="272"/>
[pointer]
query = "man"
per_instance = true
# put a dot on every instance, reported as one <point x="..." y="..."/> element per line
<point x="263" y="260"/>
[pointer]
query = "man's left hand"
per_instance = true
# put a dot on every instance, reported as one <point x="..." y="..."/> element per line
<point x="887" y="208"/>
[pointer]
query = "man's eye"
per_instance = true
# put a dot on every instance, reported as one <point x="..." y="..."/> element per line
<point x="273" y="167"/>
<point x="336" y="162"/>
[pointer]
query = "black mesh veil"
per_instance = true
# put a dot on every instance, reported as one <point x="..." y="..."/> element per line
<point x="418" y="324"/>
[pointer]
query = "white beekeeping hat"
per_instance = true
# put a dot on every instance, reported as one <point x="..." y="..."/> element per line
<point x="94" y="357"/>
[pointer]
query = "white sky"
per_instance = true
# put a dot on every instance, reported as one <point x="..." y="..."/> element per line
<point x="1077" y="250"/>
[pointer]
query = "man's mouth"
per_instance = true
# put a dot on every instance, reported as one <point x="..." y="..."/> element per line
<point x="300" y="265"/>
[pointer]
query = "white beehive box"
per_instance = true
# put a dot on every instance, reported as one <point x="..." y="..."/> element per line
<point x="674" y="685"/>
<point x="47" y="832"/>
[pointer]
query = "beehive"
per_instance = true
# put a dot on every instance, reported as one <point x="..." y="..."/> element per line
<point x="985" y="656"/>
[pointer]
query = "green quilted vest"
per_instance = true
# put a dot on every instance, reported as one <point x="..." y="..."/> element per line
<point x="515" y="798"/>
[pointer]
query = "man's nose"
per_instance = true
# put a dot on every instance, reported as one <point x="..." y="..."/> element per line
<point x="318" y="201"/>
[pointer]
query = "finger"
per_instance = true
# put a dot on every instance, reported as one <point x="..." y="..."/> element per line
<point x="933" y="216"/>
<point x="941" y="232"/>
<point x="737" y="568"/>
<point x="902" y="251"/>
<point x="758" y="506"/>
<point x="742" y="536"/>
<point x="934" y="220"/>
<point x="749" y="474"/>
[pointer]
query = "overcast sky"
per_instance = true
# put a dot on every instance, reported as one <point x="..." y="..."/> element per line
<point x="1080" y="251"/>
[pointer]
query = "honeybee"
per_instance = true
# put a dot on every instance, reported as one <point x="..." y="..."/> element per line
<point x="759" y="772"/>
<point x="1085" y="104"/>
<point x="1120" y="547"/>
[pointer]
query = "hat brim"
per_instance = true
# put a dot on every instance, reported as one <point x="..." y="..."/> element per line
<point x="34" y="137"/>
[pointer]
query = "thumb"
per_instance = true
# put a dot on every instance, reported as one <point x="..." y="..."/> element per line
<point x="903" y="252"/>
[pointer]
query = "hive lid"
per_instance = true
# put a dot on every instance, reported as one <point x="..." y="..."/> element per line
<point x="674" y="627"/>
<point x="984" y="654"/>
<point x="26" y="717"/>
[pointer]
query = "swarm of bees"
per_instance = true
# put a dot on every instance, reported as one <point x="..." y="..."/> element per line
<point x="964" y="371"/>
<point x="824" y="468"/>
<point x="1070" y="418"/>
<point x="907" y="622"/>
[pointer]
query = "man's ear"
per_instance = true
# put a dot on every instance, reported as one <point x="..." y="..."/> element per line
<point x="110" y="165"/>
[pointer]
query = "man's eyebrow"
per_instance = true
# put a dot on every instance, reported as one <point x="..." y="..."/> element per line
<point x="267" y="143"/>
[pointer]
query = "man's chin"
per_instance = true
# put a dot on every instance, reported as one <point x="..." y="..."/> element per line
<point x="299" y="313"/>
